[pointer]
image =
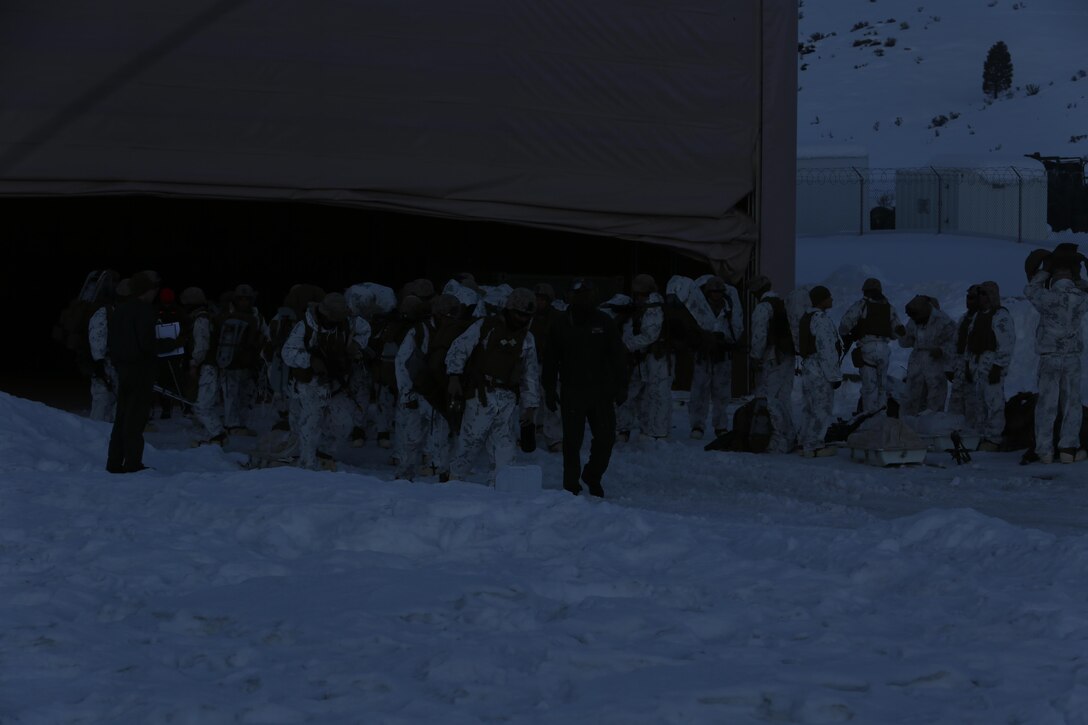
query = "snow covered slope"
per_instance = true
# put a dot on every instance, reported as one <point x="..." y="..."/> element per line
<point x="880" y="71"/>
<point x="711" y="588"/>
<point x="708" y="587"/>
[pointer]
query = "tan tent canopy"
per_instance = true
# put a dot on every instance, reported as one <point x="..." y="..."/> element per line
<point x="635" y="120"/>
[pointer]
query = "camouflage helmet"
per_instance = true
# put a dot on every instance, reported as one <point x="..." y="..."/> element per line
<point x="244" y="290"/>
<point x="919" y="308"/>
<point x="522" y="300"/>
<point x="123" y="288"/>
<point x="193" y="296"/>
<point x="643" y="284"/>
<point x="714" y="284"/>
<point x="141" y="282"/>
<point x="412" y="308"/>
<point x="872" y="286"/>
<point x="545" y="290"/>
<point x="334" y="307"/>
<point x="445" y="306"/>
<point x="424" y="288"/>
<point x="759" y="284"/>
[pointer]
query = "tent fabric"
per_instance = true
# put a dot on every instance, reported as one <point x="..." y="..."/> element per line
<point x="634" y="120"/>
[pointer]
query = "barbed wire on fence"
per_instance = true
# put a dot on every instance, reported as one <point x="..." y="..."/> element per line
<point x="852" y="175"/>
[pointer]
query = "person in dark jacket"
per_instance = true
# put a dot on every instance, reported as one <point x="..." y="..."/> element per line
<point x="586" y="358"/>
<point x="134" y="354"/>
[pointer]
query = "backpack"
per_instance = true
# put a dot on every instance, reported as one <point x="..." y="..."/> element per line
<point x="71" y="328"/>
<point x="751" y="431"/>
<point x="680" y="329"/>
<point x="431" y="380"/>
<point x="1019" y="429"/>
<point x="779" y="337"/>
<point x="279" y="329"/>
<point x="387" y="343"/>
<point x="496" y="361"/>
<point x="806" y="341"/>
<point x="238" y="336"/>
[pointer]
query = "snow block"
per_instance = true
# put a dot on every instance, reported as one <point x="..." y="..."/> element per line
<point x="520" y="479"/>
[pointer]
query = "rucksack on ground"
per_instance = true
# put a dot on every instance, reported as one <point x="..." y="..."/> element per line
<point x="751" y="431"/>
<point x="1019" y="432"/>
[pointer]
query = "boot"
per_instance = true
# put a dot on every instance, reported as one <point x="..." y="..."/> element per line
<point x="216" y="440"/>
<point x="696" y="434"/>
<point x="595" y="488"/>
<point x="1071" y="455"/>
<point x="384" y="441"/>
<point x="358" y="437"/>
<point x="988" y="446"/>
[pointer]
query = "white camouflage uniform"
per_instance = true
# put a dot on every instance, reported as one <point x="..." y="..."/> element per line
<point x="820" y="372"/>
<point x="103" y="395"/>
<point x="933" y="348"/>
<point x="205" y="407"/>
<point x="415" y="427"/>
<point x="875" y="355"/>
<point x="985" y="402"/>
<point x="360" y="380"/>
<point x="775" y="379"/>
<point x="649" y="392"/>
<point x="279" y="379"/>
<point x="712" y="381"/>
<point x="324" y="408"/>
<point x="240" y="386"/>
<point x="492" y="424"/>
<point x="1059" y="342"/>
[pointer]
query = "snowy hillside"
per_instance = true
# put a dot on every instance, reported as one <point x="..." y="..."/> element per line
<point x="876" y="73"/>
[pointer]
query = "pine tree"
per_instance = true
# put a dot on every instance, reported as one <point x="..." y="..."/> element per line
<point x="997" y="70"/>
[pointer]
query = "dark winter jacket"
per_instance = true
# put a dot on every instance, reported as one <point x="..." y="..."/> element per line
<point x="132" y="340"/>
<point x="586" y="356"/>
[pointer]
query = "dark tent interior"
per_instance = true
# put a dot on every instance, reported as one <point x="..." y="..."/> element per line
<point x="53" y="242"/>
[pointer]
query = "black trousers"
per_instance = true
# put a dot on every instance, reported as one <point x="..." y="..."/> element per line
<point x="134" y="395"/>
<point x="601" y="416"/>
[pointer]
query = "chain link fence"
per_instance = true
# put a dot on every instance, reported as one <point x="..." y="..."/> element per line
<point x="1009" y="202"/>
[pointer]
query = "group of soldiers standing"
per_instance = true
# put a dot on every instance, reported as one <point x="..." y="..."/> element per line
<point x="441" y="376"/>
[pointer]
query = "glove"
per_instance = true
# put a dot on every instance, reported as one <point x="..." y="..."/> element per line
<point x="995" y="375"/>
<point x="836" y="385"/>
<point x="900" y="331"/>
<point x="411" y="402"/>
<point x="621" y="397"/>
<point x="355" y="351"/>
<point x="950" y="375"/>
<point x="528" y="416"/>
<point x="937" y="354"/>
<point x="551" y="400"/>
<point x="99" y="369"/>
<point x="455" y="391"/>
<point x="318" y="365"/>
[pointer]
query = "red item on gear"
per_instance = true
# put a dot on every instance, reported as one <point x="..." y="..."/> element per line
<point x="167" y="296"/>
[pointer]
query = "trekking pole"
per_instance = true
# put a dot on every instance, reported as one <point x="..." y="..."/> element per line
<point x="177" y="385"/>
<point x="170" y="394"/>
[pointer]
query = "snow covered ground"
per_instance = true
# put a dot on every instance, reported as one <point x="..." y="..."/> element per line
<point x="708" y="587"/>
